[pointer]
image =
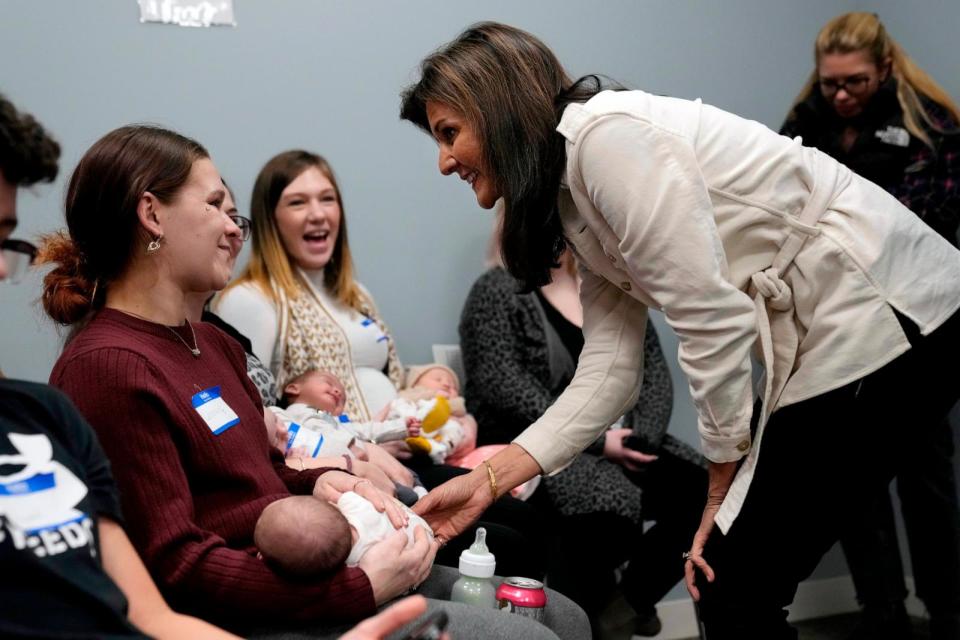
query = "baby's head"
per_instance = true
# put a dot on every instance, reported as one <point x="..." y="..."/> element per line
<point x="319" y="389"/>
<point x="302" y="536"/>
<point x="435" y="377"/>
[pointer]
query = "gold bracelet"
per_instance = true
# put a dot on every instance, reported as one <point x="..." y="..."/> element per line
<point x="493" y="479"/>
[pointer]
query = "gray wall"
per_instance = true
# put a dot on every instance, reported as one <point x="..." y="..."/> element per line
<point x="326" y="76"/>
<point x="928" y="32"/>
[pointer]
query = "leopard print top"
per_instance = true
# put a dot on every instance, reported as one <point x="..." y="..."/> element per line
<point x="504" y="346"/>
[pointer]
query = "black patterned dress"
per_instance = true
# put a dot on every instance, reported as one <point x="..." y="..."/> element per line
<point x="517" y="362"/>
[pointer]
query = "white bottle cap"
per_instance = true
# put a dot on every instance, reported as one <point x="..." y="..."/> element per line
<point x="477" y="561"/>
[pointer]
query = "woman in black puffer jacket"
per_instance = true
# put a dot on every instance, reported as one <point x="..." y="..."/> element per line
<point x="870" y="106"/>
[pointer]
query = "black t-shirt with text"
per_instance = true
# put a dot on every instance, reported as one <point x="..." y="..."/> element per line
<point x="55" y="483"/>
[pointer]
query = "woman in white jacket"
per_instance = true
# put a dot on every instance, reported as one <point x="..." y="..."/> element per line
<point x="744" y="239"/>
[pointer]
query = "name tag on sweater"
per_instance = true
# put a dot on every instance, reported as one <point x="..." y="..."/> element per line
<point x="214" y="410"/>
<point x="310" y="440"/>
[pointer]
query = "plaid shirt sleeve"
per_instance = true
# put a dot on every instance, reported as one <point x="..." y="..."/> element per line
<point x="931" y="182"/>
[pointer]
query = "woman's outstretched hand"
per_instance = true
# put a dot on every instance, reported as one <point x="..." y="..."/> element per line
<point x="721" y="477"/>
<point x="456" y="504"/>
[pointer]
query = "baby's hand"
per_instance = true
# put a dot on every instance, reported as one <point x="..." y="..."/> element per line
<point x="359" y="452"/>
<point x="298" y="452"/>
<point x="413" y="427"/>
<point x="276" y="431"/>
<point x="280" y="441"/>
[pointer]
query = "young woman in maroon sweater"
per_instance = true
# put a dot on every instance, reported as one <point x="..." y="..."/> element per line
<point x="170" y="400"/>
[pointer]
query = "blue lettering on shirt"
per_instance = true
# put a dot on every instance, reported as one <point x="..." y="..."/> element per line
<point x="39" y="482"/>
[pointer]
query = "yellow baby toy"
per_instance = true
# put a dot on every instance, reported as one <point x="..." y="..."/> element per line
<point x="435" y="418"/>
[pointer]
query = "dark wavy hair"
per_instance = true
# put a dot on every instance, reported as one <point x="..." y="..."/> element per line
<point x="28" y="154"/>
<point x="512" y="90"/>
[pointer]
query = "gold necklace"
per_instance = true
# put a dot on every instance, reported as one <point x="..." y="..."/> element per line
<point x="195" y="349"/>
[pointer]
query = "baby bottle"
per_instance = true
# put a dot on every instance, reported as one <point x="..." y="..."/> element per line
<point x="476" y="570"/>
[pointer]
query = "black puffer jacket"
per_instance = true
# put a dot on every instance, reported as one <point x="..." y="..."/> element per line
<point x="925" y="179"/>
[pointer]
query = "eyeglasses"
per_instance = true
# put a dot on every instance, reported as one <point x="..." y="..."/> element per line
<point x="244" y="223"/>
<point x="19" y="255"/>
<point x="854" y="85"/>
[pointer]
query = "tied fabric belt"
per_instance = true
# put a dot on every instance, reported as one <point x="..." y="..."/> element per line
<point x="773" y="300"/>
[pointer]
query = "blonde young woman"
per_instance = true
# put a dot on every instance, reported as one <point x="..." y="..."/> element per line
<point x="870" y="106"/>
<point x="297" y="299"/>
<point x="745" y="240"/>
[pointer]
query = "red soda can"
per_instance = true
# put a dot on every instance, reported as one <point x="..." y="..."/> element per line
<point x="524" y="596"/>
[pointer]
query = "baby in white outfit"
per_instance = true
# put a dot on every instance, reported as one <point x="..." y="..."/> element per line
<point x="368" y="526"/>
<point x="316" y="400"/>
<point x="444" y="441"/>
<point x="313" y="426"/>
<point x="301" y="536"/>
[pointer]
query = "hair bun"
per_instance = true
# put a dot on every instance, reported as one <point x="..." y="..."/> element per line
<point x="67" y="291"/>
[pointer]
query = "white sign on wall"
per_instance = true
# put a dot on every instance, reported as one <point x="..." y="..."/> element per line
<point x="188" y="13"/>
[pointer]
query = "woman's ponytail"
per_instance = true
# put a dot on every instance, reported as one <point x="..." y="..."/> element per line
<point x="68" y="292"/>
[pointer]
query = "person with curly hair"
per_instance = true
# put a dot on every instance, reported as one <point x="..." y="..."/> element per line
<point x="28" y="155"/>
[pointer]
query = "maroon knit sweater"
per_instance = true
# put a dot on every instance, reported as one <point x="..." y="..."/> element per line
<point x="190" y="498"/>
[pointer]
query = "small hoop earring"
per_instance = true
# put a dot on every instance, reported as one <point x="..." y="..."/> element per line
<point x="154" y="244"/>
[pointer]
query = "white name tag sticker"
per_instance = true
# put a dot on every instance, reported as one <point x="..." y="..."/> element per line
<point x="214" y="410"/>
<point x="310" y="440"/>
